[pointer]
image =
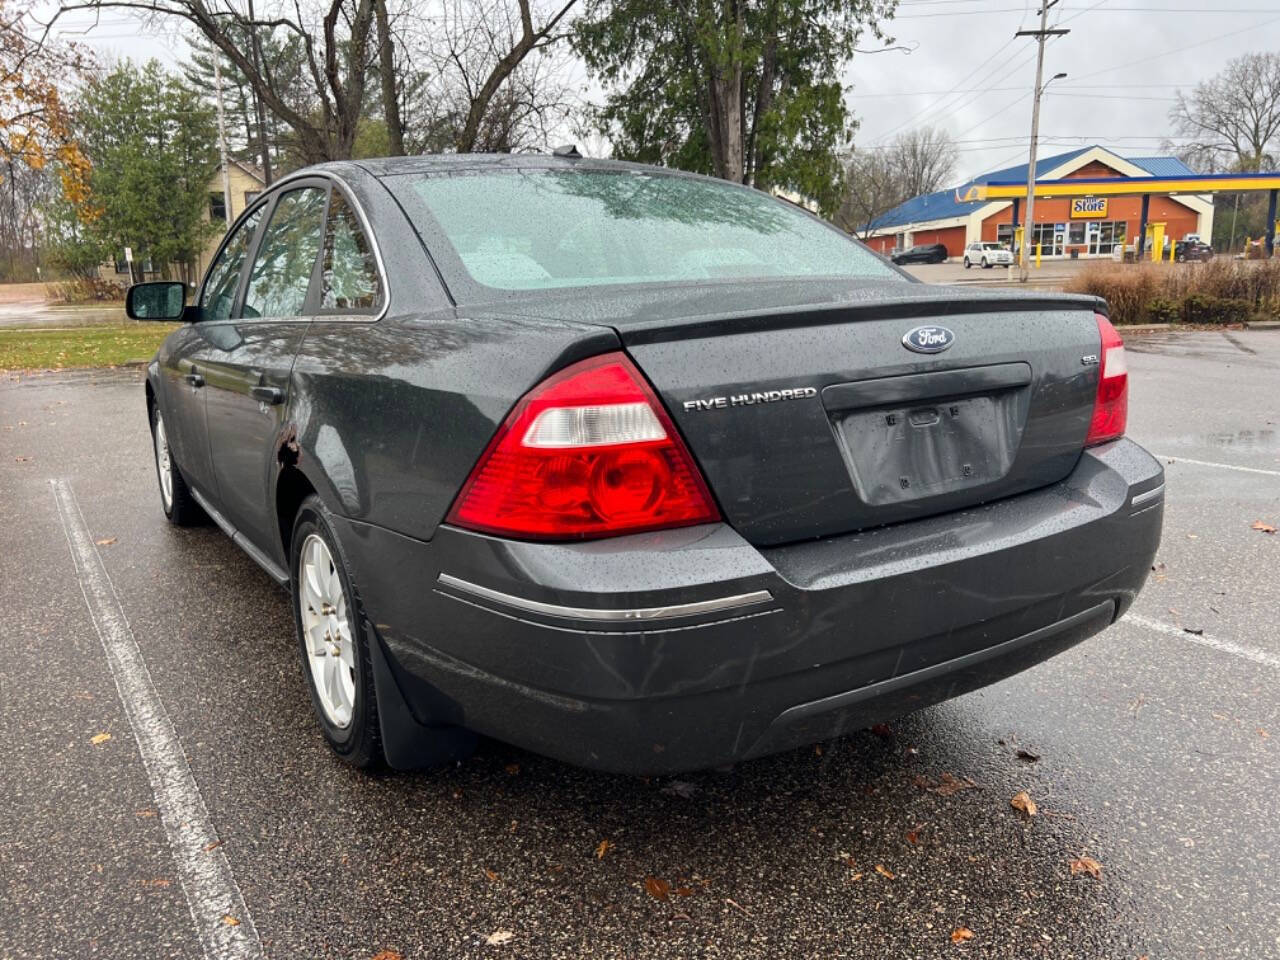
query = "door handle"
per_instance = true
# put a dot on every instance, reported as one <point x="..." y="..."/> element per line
<point x="264" y="394"/>
<point x="195" y="378"/>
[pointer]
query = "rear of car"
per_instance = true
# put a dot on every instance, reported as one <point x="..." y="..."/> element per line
<point x="800" y="494"/>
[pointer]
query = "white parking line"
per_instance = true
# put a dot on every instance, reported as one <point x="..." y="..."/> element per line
<point x="1252" y="654"/>
<point x="222" y="920"/>
<point x="1221" y="466"/>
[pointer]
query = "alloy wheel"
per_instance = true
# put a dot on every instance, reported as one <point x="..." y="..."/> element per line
<point x="326" y="631"/>
<point x="164" y="465"/>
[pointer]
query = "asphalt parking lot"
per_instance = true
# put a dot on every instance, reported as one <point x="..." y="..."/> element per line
<point x="1157" y="752"/>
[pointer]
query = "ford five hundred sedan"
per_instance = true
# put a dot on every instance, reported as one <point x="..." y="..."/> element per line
<point x="636" y="469"/>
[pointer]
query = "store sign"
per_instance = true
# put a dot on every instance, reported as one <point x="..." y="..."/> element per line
<point x="1088" y="207"/>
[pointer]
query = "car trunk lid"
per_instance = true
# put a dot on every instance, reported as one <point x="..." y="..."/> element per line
<point x="819" y="420"/>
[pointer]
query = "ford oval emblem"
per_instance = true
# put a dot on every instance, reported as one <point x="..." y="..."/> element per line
<point x="928" y="339"/>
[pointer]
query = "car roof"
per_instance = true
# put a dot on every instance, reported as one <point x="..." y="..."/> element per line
<point x="448" y="162"/>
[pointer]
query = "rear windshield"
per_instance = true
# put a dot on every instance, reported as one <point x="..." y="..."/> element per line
<point x="545" y="229"/>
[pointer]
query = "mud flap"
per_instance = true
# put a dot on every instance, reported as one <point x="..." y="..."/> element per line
<point x="408" y="744"/>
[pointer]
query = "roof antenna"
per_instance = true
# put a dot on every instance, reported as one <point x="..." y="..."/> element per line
<point x="569" y="151"/>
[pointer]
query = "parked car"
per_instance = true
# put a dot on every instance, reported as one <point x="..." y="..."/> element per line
<point x="987" y="255"/>
<point x="1186" y="249"/>
<point x="925" y="253"/>
<point x="638" y="469"/>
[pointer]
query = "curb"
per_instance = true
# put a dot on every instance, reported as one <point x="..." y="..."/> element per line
<point x="1262" y="325"/>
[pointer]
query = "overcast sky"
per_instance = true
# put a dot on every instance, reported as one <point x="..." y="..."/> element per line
<point x="968" y="74"/>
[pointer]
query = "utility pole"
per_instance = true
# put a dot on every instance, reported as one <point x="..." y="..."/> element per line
<point x="222" y="137"/>
<point x="1029" y="221"/>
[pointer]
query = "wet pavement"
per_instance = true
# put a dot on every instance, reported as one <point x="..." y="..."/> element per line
<point x="33" y="313"/>
<point x="1157" y="753"/>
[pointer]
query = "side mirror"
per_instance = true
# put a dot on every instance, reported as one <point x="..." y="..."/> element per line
<point x="158" y="300"/>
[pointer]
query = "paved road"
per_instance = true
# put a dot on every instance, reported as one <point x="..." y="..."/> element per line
<point x="1158" y="753"/>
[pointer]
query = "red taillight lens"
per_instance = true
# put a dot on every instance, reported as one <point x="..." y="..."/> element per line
<point x="588" y="453"/>
<point x="1111" y="405"/>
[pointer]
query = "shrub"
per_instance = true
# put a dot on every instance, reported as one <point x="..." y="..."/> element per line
<point x="1203" y="308"/>
<point x="1218" y="292"/>
<point x="1163" y="310"/>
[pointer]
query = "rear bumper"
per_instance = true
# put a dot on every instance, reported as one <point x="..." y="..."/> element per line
<point x="692" y="648"/>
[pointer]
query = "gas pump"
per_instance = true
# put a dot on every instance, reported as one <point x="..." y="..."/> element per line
<point x="1155" y="241"/>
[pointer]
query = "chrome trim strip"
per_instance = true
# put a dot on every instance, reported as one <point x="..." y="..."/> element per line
<point x="240" y="540"/>
<point x="615" y="614"/>
<point x="1147" y="496"/>
<point x="350" y="197"/>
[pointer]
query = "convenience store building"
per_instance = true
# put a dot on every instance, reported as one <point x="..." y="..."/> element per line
<point x="1078" y="226"/>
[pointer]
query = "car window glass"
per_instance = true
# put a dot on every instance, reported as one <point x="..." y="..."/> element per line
<point x="532" y="230"/>
<point x="220" y="284"/>
<point x="349" y="274"/>
<point x="286" y="255"/>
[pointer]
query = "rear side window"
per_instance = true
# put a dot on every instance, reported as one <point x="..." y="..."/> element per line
<point x="349" y="273"/>
<point x="541" y="229"/>
<point x="220" y="285"/>
<point x="281" y="273"/>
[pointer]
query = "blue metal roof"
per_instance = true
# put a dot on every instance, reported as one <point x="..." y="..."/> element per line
<point x="943" y="205"/>
<point x="1163" y="166"/>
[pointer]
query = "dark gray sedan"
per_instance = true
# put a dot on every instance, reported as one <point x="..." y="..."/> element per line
<point x="641" y="470"/>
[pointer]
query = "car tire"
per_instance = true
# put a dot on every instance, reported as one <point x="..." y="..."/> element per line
<point x="967" y="264"/>
<point x="341" y="687"/>
<point x="179" y="506"/>
<point x="985" y="265"/>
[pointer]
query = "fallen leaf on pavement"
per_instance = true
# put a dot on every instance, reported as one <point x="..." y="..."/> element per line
<point x="950" y="784"/>
<point x="658" y="888"/>
<point x="1194" y="631"/>
<point x="229" y="920"/>
<point x="386" y="955"/>
<point x="146" y="812"/>
<point x="680" y="788"/>
<point x="1022" y="802"/>
<point x="512" y="768"/>
<point x="913" y="836"/>
<point x="1264" y="527"/>
<point x="498" y="938"/>
<point x="884" y="871"/>
<point x="21" y="459"/>
<point x="105" y="541"/>
<point x="684" y="891"/>
<point x="961" y="934"/>
<point x="1087" y="865"/>
<point x="212" y="845"/>
<point x="882" y="730"/>
<point x="98" y="738"/>
<point x="1028" y="756"/>
<point x="603" y="847"/>
<point x="492" y="875"/>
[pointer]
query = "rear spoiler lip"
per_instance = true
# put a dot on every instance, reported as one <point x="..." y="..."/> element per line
<point x="813" y="315"/>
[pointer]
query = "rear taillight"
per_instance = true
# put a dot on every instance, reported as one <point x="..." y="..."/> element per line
<point x="1111" y="404"/>
<point x="590" y="452"/>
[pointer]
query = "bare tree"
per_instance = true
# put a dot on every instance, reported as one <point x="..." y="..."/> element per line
<point x="1233" y="119"/>
<point x="925" y="160"/>
<point x="468" y="95"/>
<point x="343" y="42"/>
<point x="872" y="186"/>
<point x="878" y="179"/>
<point x="387" y="75"/>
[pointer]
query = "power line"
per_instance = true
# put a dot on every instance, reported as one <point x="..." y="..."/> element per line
<point x="1190" y="46"/>
<point x="1002" y="10"/>
<point x="964" y="97"/>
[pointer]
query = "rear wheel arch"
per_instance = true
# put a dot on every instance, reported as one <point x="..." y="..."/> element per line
<point x="292" y="488"/>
